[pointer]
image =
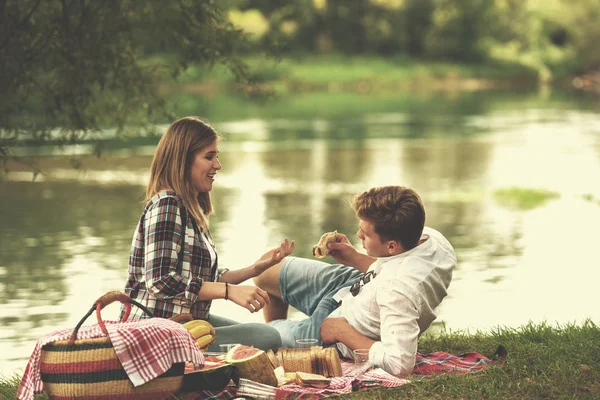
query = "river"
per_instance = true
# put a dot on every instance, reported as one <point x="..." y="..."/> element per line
<point x="512" y="179"/>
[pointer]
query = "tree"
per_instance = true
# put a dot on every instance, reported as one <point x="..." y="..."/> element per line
<point x="70" y="68"/>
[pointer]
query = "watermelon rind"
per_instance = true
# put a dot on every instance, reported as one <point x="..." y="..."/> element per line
<point x="230" y="354"/>
<point x="216" y="378"/>
<point x="255" y="367"/>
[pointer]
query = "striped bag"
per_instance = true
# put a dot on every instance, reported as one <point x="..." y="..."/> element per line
<point x="90" y="369"/>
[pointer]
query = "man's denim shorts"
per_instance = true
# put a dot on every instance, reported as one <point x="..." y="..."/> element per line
<point x="308" y="286"/>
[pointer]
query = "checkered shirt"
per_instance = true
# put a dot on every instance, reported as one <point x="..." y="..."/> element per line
<point x="169" y="260"/>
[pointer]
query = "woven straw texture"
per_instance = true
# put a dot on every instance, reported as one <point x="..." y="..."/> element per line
<point x="89" y="368"/>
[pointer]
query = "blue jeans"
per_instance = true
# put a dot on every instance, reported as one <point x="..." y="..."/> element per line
<point x="309" y="285"/>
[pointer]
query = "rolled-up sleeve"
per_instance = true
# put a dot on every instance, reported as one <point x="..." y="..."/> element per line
<point x="164" y="241"/>
<point x="397" y="350"/>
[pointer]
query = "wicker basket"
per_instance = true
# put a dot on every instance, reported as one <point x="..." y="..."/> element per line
<point x="84" y="368"/>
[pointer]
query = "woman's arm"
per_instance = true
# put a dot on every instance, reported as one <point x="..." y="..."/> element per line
<point x="269" y="259"/>
<point x="251" y="298"/>
<point x="164" y="279"/>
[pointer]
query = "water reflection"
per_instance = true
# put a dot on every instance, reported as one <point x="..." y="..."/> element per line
<point x="64" y="240"/>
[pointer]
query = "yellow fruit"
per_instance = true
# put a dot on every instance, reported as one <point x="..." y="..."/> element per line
<point x="199" y="331"/>
<point x="205" y="340"/>
<point x="196" y="322"/>
<point x="199" y="327"/>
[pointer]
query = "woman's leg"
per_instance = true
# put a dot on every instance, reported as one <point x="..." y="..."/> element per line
<point x="261" y="336"/>
<point x="219" y="322"/>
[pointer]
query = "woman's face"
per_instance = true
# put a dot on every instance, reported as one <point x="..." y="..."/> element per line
<point x="205" y="167"/>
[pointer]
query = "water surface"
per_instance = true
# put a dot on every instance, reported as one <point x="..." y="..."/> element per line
<point x="290" y="169"/>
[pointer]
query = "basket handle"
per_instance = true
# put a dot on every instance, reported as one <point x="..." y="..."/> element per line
<point x="182" y="318"/>
<point x="102" y="302"/>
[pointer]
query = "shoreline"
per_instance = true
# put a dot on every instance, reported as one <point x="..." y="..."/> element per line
<point x="369" y="75"/>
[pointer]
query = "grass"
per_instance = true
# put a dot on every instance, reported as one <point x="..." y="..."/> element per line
<point x="523" y="198"/>
<point x="350" y="74"/>
<point x="544" y="362"/>
<point x="590" y="197"/>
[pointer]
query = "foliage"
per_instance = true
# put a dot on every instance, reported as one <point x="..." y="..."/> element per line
<point x="523" y="198"/>
<point x="70" y="67"/>
<point x="555" y="37"/>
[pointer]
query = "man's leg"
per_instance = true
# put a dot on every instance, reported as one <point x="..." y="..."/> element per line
<point x="269" y="282"/>
<point x="301" y="283"/>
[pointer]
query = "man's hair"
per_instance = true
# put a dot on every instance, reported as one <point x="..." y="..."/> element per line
<point x="171" y="166"/>
<point x="396" y="212"/>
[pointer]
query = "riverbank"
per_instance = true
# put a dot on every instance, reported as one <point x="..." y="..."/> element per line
<point x="360" y="74"/>
<point x="543" y="361"/>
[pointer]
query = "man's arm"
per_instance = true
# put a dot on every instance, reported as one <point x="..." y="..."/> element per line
<point x="396" y="351"/>
<point x="334" y="330"/>
<point x="399" y="330"/>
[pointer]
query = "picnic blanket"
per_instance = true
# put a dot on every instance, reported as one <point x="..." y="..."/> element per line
<point x="435" y="363"/>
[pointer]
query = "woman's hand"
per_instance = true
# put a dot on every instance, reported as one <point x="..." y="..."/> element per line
<point x="273" y="256"/>
<point x="250" y="297"/>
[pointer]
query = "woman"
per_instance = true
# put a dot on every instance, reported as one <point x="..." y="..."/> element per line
<point x="173" y="266"/>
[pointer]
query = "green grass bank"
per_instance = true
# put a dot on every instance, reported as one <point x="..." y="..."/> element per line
<point x="364" y="74"/>
<point x="544" y="362"/>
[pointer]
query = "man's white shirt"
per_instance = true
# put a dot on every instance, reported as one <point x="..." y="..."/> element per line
<point x="400" y="302"/>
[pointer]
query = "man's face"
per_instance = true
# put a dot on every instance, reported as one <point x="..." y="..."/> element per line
<point x="371" y="241"/>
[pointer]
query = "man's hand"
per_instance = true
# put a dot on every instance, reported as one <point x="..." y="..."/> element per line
<point x="342" y="250"/>
<point x="273" y="256"/>
<point x="344" y="253"/>
<point x="332" y="329"/>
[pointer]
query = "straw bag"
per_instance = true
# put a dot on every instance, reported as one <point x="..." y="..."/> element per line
<point x="90" y="367"/>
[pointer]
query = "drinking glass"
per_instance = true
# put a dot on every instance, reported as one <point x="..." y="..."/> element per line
<point x="225" y="347"/>
<point x="306" y="343"/>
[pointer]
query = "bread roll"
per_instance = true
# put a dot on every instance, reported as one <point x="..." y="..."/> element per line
<point x="320" y="250"/>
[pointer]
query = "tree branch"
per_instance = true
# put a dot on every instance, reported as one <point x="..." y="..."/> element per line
<point x="18" y="26"/>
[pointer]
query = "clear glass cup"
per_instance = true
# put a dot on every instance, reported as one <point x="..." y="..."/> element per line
<point x="306" y="343"/>
<point x="361" y="356"/>
<point x="225" y="347"/>
<point x="362" y="363"/>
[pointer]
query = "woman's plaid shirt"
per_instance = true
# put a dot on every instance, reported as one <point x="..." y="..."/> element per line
<point x="169" y="260"/>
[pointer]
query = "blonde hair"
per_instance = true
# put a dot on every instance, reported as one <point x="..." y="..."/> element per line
<point x="396" y="212"/>
<point x="174" y="156"/>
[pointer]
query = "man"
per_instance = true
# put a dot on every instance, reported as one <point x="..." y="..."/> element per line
<point x="382" y="300"/>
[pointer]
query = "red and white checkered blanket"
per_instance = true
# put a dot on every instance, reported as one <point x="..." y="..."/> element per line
<point x="145" y="348"/>
<point x="440" y="362"/>
<point x="435" y="363"/>
<point x="350" y="381"/>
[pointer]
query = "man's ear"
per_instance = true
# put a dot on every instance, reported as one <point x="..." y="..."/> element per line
<point x="393" y="247"/>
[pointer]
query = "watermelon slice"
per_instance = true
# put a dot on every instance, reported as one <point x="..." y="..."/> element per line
<point x="215" y="375"/>
<point x="251" y="363"/>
